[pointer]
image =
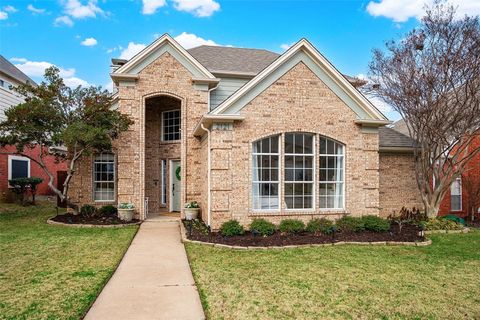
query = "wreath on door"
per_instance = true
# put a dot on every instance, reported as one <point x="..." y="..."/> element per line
<point x="177" y="173"/>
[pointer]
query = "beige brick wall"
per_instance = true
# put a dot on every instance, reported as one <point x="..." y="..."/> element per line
<point x="298" y="101"/>
<point x="398" y="187"/>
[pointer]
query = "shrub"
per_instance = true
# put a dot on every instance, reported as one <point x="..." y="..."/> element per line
<point x="263" y="227"/>
<point x="88" y="210"/>
<point x="108" y="210"/>
<point x="455" y="218"/>
<point x="319" y="225"/>
<point x="291" y="226"/>
<point x="231" y="228"/>
<point x="350" y="224"/>
<point x="441" y="224"/>
<point x="126" y="206"/>
<point x="376" y="224"/>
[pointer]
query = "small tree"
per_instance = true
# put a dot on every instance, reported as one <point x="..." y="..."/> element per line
<point x="53" y="114"/>
<point x="33" y="184"/>
<point x="432" y="78"/>
<point x="20" y="187"/>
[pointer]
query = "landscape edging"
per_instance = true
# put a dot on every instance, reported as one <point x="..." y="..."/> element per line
<point x="78" y="225"/>
<point x="464" y="230"/>
<point x="374" y="243"/>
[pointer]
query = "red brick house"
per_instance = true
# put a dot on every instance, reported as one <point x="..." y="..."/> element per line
<point x="11" y="165"/>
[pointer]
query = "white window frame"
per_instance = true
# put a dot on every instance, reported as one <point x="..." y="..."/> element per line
<point x="17" y="158"/>
<point x="459" y="181"/>
<point x="114" y="180"/>
<point x="332" y="182"/>
<point x="279" y="155"/>
<point x="314" y="171"/>
<point x="179" y="125"/>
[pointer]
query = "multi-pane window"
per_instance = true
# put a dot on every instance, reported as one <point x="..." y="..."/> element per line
<point x="332" y="176"/>
<point x="18" y="167"/>
<point x="456" y="195"/>
<point x="104" y="177"/>
<point x="266" y="156"/>
<point x="171" y="125"/>
<point x="163" y="199"/>
<point x="299" y="171"/>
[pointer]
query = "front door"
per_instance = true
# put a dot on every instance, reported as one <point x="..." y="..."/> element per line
<point x="175" y="193"/>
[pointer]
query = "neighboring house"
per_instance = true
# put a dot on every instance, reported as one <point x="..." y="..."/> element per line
<point x="247" y="133"/>
<point x="12" y="165"/>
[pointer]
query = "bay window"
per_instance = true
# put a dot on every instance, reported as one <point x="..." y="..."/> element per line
<point x="331" y="184"/>
<point x="266" y="174"/>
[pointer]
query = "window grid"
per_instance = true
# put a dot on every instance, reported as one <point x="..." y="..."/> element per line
<point x="456" y="195"/>
<point x="331" y="174"/>
<point x="171" y="125"/>
<point x="104" y="177"/>
<point x="299" y="171"/>
<point x="266" y="157"/>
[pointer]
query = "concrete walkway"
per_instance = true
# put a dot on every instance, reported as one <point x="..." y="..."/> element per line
<point x="153" y="281"/>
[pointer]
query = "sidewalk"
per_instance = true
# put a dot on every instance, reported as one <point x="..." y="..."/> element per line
<point x="153" y="281"/>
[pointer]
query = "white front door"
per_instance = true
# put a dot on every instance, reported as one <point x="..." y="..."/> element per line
<point x="175" y="186"/>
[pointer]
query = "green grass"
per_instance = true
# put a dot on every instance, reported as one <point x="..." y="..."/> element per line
<point x="53" y="272"/>
<point x="441" y="281"/>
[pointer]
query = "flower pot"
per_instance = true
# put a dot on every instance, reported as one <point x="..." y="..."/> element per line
<point x="125" y="214"/>
<point x="191" y="213"/>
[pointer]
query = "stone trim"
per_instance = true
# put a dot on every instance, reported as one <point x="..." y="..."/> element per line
<point x="464" y="230"/>
<point x="50" y="221"/>
<point x="183" y="232"/>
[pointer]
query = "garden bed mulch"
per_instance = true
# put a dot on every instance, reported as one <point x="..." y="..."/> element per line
<point x="410" y="233"/>
<point x="103" y="220"/>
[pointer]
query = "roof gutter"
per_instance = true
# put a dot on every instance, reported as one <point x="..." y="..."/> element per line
<point x="208" y="119"/>
<point x="396" y="149"/>
<point x="372" y="123"/>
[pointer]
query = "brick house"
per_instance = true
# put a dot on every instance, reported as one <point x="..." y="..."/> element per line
<point x="12" y="165"/>
<point x="247" y="133"/>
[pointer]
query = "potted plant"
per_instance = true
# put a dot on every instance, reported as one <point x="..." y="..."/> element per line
<point x="191" y="210"/>
<point x="125" y="211"/>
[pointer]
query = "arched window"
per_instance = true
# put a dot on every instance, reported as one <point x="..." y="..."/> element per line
<point x="332" y="175"/>
<point x="266" y="153"/>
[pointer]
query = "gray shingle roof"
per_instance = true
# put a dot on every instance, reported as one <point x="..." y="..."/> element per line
<point x="390" y="138"/>
<point x="9" y="69"/>
<point x="401" y="127"/>
<point x="229" y="59"/>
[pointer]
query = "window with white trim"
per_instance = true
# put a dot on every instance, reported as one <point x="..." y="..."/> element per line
<point x="332" y="175"/>
<point x="266" y="154"/>
<point x="456" y="195"/>
<point x="18" y="167"/>
<point x="163" y="196"/>
<point x="171" y="125"/>
<point x="104" y="177"/>
<point x="299" y="171"/>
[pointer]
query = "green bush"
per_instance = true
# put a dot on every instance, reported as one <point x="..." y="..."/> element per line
<point x="88" y="210"/>
<point x="108" y="210"/>
<point x="263" y="227"/>
<point x="319" y="225"/>
<point x="376" y="224"/>
<point x="231" y="228"/>
<point x="455" y="218"/>
<point x="441" y="224"/>
<point x="291" y="226"/>
<point x="350" y="224"/>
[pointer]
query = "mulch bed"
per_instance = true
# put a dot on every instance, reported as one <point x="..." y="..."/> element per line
<point x="105" y="219"/>
<point x="410" y="233"/>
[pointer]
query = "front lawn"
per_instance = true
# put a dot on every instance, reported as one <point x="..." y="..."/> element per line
<point x="53" y="272"/>
<point x="441" y="281"/>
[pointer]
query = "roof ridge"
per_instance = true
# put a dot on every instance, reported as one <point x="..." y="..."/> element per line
<point x="232" y="47"/>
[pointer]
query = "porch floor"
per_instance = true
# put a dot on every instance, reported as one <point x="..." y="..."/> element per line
<point x="164" y="216"/>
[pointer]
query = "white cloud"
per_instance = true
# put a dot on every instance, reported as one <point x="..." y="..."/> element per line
<point x="63" y="20"/>
<point x="190" y="40"/>
<point x="89" y="42"/>
<point x="286" y="46"/>
<point x="402" y="10"/>
<point x="151" y="6"/>
<point x="199" y="8"/>
<point x="10" y="9"/>
<point x="31" y="8"/>
<point x="131" y="50"/>
<point x="3" y="15"/>
<point x="76" y="9"/>
<point x="36" y="69"/>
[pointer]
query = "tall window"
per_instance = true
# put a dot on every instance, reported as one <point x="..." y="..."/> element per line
<point x="331" y="174"/>
<point x="104" y="177"/>
<point x="171" y="125"/>
<point x="266" y="174"/>
<point x="18" y="167"/>
<point x="456" y="195"/>
<point x="299" y="171"/>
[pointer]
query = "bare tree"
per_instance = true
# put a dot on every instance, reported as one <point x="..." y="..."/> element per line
<point x="432" y="78"/>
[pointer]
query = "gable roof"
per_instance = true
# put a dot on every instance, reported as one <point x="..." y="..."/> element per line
<point x="10" y="70"/>
<point x="303" y="51"/>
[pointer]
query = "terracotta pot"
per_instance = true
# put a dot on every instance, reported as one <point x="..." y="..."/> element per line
<point x="191" y="213"/>
<point x="125" y="214"/>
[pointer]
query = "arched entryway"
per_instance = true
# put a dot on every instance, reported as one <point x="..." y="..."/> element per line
<point x="162" y="154"/>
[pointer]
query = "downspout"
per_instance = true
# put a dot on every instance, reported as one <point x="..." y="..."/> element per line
<point x="209" y="201"/>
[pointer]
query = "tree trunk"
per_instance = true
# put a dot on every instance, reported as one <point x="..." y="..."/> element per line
<point x="431" y="209"/>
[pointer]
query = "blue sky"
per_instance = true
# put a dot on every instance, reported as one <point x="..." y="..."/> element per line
<point x="81" y="36"/>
